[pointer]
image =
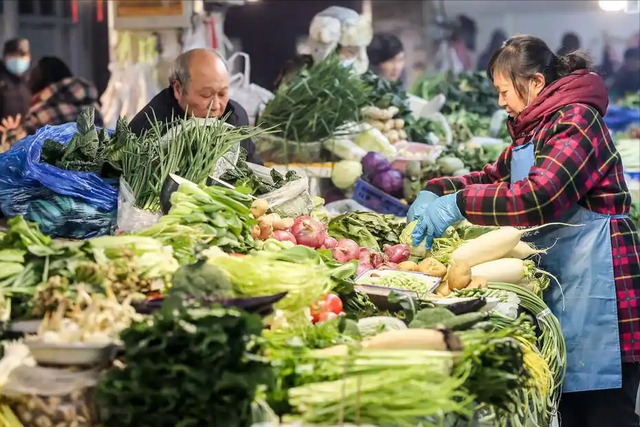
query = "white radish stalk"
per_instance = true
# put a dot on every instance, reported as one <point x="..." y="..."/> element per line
<point x="493" y="245"/>
<point x="524" y="250"/>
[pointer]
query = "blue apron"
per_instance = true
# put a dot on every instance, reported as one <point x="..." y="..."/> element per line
<point x="585" y="302"/>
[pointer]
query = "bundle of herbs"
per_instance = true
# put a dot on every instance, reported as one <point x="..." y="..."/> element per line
<point x="191" y="149"/>
<point x="316" y="102"/>
<point x="247" y="180"/>
<point x="186" y="368"/>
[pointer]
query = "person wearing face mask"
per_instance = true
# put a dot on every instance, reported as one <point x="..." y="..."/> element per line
<point x="198" y="87"/>
<point x="14" y="92"/>
<point x="562" y="166"/>
<point x="386" y="56"/>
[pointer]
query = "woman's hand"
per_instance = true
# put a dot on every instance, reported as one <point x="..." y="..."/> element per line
<point x="437" y="217"/>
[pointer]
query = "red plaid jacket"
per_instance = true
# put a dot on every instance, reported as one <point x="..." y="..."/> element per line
<point x="57" y="104"/>
<point x="576" y="161"/>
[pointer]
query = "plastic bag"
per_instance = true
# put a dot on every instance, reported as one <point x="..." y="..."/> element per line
<point x="130" y="218"/>
<point x="618" y="119"/>
<point x="291" y="200"/>
<point x="65" y="203"/>
<point x="251" y="96"/>
<point x="49" y="397"/>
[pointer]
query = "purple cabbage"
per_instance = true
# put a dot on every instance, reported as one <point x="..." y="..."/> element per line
<point x="374" y="163"/>
<point x="389" y="181"/>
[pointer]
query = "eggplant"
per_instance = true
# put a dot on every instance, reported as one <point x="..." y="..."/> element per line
<point x="466" y="306"/>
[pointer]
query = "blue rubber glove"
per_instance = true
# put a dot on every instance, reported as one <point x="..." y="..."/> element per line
<point x="424" y="199"/>
<point x="435" y="220"/>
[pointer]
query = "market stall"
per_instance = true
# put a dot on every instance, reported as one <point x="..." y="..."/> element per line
<point x="165" y="280"/>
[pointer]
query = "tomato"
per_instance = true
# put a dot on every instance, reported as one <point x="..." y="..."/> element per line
<point x="333" y="304"/>
<point x="326" y="315"/>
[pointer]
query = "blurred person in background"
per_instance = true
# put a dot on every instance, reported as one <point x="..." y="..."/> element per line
<point x="498" y="37"/>
<point x="627" y="78"/>
<point x="386" y="56"/>
<point x="14" y="92"/>
<point x="570" y="43"/>
<point x="58" y="98"/>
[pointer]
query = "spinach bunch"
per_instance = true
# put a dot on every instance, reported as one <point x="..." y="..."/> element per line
<point x="90" y="149"/>
<point x="186" y="367"/>
<point x="368" y="229"/>
<point x="385" y="93"/>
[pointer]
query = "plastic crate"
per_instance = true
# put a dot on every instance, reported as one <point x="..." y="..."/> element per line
<point x="377" y="200"/>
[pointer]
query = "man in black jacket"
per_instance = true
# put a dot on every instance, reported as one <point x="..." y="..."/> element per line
<point x="198" y="85"/>
<point x="14" y="92"/>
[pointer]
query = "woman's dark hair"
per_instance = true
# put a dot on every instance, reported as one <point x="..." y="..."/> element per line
<point x="383" y="47"/>
<point x="47" y="71"/>
<point x="522" y="57"/>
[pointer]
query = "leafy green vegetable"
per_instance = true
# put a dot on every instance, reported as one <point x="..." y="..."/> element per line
<point x="199" y="280"/>
<point x="469" y="91"/>
<point x="242" y="176"/>
<point x="368" y="229"/>
<point x="186" y="368"/>
<point x="430" y="317"/>
<point x="386" y="93"/>
<point x="316" y="102"/>
<point x="87" y="151"/>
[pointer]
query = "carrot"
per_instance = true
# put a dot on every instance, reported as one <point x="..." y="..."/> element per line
<point x="493" y="245"/>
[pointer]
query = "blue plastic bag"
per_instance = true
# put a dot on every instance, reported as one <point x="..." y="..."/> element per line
<point x="618" y="119"/>
<point x="44" y="193"/>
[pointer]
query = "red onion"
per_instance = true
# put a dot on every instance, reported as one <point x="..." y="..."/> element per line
<point x="365" y="256"/>
<point x="330" y="242"/>
<point x="309" y="232"/>
<point x="362" y="267"/>
<point x="377" y="259"/>
<point x="387" y="266"/>
<point x="397" y="253"/>
<point x="346" y="250"/>
<point x="284" y="236"/>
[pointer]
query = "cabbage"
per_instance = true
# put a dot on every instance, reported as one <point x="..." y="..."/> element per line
<point x="345" y="174"/>
<point x="389" y="181"/>
<point x="405" y="237"/>
<point x="374" y="140"/>
<point x="374" y="163"/>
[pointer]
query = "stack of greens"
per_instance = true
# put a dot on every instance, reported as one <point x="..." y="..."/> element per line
<point x="186" y="368"/>
<point x="221" y="217"/>
<point x="316" y="102"/>
<point x="190" y="150"/>
<point x="471" y="92"/>
<point x="90" y="150"/>
<point x="385" y="93"/>
<point x="247" y="181"/>
<point x="631" y="100"/>
<point x="367" y="229"/>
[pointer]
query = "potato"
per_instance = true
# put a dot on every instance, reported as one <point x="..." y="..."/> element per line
<point x="398" y="124"/>
<point x="407" y="266"/>
<point x="388" y="125"/>
<point x="392" y="136"/>
<point x="432" y="267"/>
<point x="477" y="283"/>
<point x="377" y="124"/>
<point x="402" y="134"/>
<point x="459" y="275"/>
<point x="443" y="289"/>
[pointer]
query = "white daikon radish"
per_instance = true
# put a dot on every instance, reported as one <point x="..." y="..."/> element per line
<point x="505" y="270"/>
<point x="493" y="245"/>
<point x="524" y="250"/>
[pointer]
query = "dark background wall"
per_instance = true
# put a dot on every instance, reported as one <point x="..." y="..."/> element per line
<point x="269" y="29"/>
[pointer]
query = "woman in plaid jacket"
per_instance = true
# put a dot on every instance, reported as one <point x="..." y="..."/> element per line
<point x="562" y="166"/>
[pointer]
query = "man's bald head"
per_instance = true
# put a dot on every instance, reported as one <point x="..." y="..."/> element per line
<point x="200" y="82"/>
